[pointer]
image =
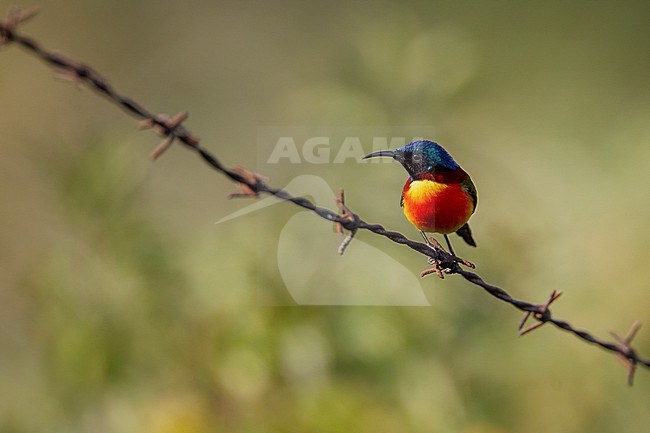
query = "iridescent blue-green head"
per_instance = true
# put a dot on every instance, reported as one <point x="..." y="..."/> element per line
<point x="420" y="157"/>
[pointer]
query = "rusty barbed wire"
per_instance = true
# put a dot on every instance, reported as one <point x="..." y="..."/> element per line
<point x="345" y="212"/>
<point x="252" y="184"/>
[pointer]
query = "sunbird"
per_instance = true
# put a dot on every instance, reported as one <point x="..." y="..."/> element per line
<point x="439" y="196"/>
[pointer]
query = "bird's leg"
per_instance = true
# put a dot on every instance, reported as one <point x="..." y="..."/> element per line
<point x="451" y="249"/>
<point x="456" y="258"/>
<point x="445" y="265"/>
<point x="432" y="243"/>
<point x="435" y="263"/>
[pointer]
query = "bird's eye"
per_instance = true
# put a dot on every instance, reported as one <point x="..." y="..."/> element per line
<point x="408" y="155"/>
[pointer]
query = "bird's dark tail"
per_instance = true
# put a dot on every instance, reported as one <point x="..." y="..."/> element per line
<point x="466" y="233"/>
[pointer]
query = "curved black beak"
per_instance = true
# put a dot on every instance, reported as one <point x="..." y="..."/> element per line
<point x="387" y="153"/>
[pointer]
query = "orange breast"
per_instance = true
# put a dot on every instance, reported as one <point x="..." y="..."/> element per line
<point x="436" y="207"/>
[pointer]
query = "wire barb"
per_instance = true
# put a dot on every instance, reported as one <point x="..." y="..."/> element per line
<point x="345" y="214"/>
<point x="437" y="260"/>
<point x="542" y="314"/>
<point x="165" y="126"/>
<point x="15" y="17"/>
<point x="627" y="356"/>
<point x="248" y="188"/>
<point x="442" y="261"/>
<point x="253" y="184"/>
<point x="72" y="71"/>
<point x="434" y="269"/>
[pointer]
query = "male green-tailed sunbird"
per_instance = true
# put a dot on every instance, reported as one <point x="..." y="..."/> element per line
<point x="439" y="196"/>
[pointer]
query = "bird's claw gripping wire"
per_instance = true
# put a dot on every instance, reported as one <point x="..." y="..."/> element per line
<point x="442" y="262"/>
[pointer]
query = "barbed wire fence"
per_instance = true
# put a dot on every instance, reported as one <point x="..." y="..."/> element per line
<point x="254" y="184"/>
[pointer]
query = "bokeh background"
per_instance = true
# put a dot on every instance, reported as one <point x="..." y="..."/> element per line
<point x="124" y="308"/>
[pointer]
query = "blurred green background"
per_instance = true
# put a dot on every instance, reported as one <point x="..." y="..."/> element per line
<point x="124" y="308"/>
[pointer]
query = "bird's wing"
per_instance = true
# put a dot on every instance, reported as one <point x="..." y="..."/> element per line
<point x="469" y="187"/>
